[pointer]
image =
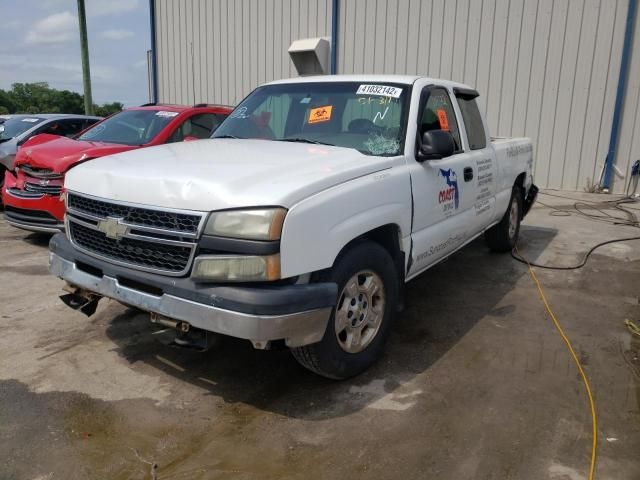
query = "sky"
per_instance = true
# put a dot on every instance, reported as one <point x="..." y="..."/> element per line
<point x="40" y="42"/>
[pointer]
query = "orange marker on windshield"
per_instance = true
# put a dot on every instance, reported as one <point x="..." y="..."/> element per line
<point x="320" y="114"/>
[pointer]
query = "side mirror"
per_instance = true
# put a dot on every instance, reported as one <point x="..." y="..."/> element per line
<point x="436" y="144"/>
<point x="189" y="138"/>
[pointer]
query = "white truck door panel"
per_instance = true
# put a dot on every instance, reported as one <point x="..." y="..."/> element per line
<point x="444" y="190"/>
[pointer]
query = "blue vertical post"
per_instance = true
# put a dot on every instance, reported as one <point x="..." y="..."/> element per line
<point x="154" y="56"/>
<point x="334" y="35"/>
<point x="622" y="82"/>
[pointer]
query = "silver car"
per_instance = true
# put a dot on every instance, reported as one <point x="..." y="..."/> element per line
<point x="17" y="129"/>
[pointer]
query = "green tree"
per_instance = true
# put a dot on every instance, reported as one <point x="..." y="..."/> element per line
<point x="107" y="109"/>
<point x="40" y="98"/>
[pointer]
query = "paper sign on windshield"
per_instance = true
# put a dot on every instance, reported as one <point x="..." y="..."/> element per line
<point x="382" y="90"/>
<point x="164" y="113"/>
<point x="31" y="120"/>
<point x="320" y="114"/>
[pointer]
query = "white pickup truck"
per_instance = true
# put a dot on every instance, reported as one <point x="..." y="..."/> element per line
<point x="299" y="222"/>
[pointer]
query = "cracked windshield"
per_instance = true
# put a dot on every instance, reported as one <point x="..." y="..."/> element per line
<point x="365" y="117"/>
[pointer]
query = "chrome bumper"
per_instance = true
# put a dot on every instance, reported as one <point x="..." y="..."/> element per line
<point x="57" y="228"/>
<point x="297" y="329"/>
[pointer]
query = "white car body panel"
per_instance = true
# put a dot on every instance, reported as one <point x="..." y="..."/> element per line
<point x="219" y="174"/>
<point x="317" y="228"/>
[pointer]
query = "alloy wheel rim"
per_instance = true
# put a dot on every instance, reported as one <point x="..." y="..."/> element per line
<point x="359" y="311"/>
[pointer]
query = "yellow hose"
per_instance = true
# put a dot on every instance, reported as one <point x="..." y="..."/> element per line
<point x="578" y="364"/>
<point x="633" y="328"/>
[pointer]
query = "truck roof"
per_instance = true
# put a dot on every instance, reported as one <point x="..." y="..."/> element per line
<point x="406" y="79"/>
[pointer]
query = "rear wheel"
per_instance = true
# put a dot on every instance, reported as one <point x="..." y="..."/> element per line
<point x="504" y="236"/>
<point x="359" y="325"/>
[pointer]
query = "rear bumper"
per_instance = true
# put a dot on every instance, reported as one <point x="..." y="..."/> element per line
<point x="297" y="314"/>
<point x="33" y="212"/>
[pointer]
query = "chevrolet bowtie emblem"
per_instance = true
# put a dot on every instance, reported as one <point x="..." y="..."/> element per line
<point x="113" y="227"/>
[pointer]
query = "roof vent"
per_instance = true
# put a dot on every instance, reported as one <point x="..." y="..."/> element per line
<point x="310" y="56"/>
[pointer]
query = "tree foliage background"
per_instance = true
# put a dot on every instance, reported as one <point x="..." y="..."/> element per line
<point x="40" y="98"/>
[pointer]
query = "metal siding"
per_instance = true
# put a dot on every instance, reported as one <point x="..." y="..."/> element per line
<point x="613" y="69"/>
<point x="629" y="142"/>
<point x="545" y="69"/>
<point x="511" y="59"/>
<point x="217" y="51"/>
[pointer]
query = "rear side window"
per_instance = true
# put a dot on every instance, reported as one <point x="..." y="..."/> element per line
<point x="472" y="122"/>
<point x="64" y="128"/>
<point x="198" y="126"/>
<point x="89" y="122"/>
<point x="71" y="127"/>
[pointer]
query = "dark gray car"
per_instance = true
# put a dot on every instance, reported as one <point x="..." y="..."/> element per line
<point x="17" y="129"/>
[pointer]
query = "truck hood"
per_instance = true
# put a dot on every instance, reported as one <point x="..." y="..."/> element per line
<point x="216" y="174"/>
<point x="60" y="153"/>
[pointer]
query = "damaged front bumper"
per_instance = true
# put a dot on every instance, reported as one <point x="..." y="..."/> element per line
<point x="297" y="314"/>
<point x="32" y="211"/>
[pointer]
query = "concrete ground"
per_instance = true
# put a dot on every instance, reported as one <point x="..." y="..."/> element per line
<point x="476" y="383"/>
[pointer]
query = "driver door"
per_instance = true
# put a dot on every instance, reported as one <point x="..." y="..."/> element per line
<point x="443" y="189"/>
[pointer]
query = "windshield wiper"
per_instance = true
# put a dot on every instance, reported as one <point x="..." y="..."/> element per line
<point x="304" y="140"/>
<point x="229" y="136"/>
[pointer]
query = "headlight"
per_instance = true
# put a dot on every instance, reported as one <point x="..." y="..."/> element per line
<point x="231" y="268"/>
<point x="253" y="224"/>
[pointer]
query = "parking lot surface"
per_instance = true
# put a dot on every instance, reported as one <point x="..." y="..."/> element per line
<point x="475" y="383"/>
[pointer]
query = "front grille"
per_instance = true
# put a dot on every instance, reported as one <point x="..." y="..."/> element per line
<point x="152" y="255"/>
<point x="43" y="189"/>
<point x="22" y="193"/>
<point x="39" y="172"/>
<point x="30" y="216"/>
<point x="159" y="241"/>
<point x="181" y="222"/>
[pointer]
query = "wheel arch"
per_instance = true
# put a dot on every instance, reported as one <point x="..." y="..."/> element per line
<point x="520" y="183"/>
<point x="389" y="237"/>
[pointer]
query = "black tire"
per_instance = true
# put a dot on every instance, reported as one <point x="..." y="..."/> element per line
<point x="502" y="237"/>
<point x="328" y="358"/>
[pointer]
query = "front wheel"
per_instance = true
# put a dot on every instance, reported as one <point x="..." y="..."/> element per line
<point x="359" y="325"/>
<point x="504" y="236"/>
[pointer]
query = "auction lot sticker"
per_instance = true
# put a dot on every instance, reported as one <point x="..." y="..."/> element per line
<point x="320" y="114"/>
<point x="382" y="90"/>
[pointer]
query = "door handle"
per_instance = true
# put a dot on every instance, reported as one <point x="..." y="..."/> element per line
<point x="468" y="174"/>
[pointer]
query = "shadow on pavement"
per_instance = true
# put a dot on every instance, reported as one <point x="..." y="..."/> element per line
<point x="39" y="239"/>
<point x="443" y="304"/>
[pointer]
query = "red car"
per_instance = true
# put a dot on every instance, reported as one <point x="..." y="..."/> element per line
<point x="31" y="193"/>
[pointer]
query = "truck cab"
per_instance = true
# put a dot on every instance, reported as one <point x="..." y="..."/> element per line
<point x="300" y="220"/>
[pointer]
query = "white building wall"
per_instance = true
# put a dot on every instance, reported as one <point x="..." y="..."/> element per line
<point x="217" y="51"/>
